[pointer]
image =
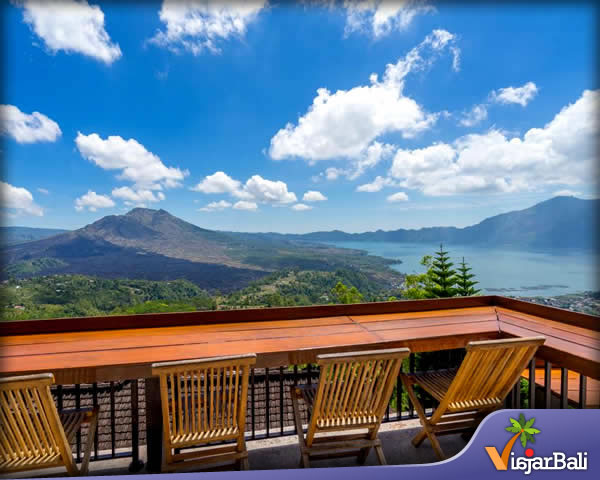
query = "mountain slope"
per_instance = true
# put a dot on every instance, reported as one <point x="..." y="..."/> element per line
<point x="155" y="245"/>
<point x="14" y="235"/>
<point x="561" y="222"/>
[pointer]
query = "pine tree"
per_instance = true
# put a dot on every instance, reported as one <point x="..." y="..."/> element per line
<point x="464" y="282"/>
<point x="443" y="277"/>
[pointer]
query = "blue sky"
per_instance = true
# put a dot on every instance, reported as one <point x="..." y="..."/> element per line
<point x="266" y="117"/>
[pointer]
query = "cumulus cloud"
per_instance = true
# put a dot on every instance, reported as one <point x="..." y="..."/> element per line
<point x="475" y="116"/>
<point x="199" y="26"/>
<point x="314" y="196"/>
<point x="18" y="200"/>
<point x="218" y="182"/>
<point x="562" y="153"/>
<point x="92" y="201"/>
<point x="138" y="165"/>
<point x="567" y="193"/>
<point x="397" y="197"/>
<point x="72" y="26"/>
<point x="268" y="191"/>
<point x="27" y="128"/>
<point x="43" y="190"/>
<point x="216" y="206"/>
<point x="301" y="207"/>
<point x="347" y="123"/>
<point x="520" y="95"/>
<point x="381" y="17"/>
<point x="376" y="185"/>
<point x="139" y="198"/>
<point x="244" y="205"/>
<point x="256" y="189"/>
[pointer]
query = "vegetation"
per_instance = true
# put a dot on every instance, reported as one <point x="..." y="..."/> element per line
<point x="464" y="281"/>
<point x="440" y="280"/>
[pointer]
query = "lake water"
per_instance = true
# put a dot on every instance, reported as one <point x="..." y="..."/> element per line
<point x="502" y="271"/>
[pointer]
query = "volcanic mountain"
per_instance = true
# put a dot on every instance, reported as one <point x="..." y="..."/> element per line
<point x="155" y="245"/>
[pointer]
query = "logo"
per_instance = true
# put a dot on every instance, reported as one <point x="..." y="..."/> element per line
<point x="524" y="431"/>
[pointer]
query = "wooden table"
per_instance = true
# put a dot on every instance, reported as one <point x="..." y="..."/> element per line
<point x="119" y="348"/>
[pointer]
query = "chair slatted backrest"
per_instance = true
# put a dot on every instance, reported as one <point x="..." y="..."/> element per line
<point x="354" y="388"/>
<point x="30" y="430"/>
<point x="204" y="400"/>
<point x="488" y="372"/>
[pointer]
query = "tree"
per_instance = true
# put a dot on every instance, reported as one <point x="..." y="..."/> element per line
<point x="417" y="285"/>
<point x="442" y="276"/>
<point x="464" y="280"/>
<point x="345" y="295"/>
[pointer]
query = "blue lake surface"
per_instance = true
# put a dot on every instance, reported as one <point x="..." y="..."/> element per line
<point x="502" y="271"/>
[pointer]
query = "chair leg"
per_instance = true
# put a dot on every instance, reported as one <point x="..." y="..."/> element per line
<point x="304" y="460"/>
<point x="93" y="423"/>
<point x="418" y="440"/>
<point x="426" y="432"/>
<point x="362" y="456"/>
<point x="380" y="455"/>
<point x="244" y="465"/>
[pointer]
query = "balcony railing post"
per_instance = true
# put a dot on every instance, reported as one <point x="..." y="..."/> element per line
<point x="253" y="402"/>
<point x="532" y="383"/>
<point x="95" y="405"/>
<point x="564" y="388"/>
<point x="582" y="390"/>
<point x="268" y="401"/>
<point x="281" y="400"/>
<point x="136" y="464"/>
<point x="548" y="384"/>
<point x="78" y="435"/>
<point x="113" y="439"/>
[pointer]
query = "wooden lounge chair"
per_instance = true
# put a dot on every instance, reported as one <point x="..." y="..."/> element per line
<point x="352" y="394"/>
<point x="466" y="395"/>
<point x="204" y="402"/>
<point x="33" y="434"/>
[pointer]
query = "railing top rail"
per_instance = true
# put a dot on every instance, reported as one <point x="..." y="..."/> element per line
<point x="151" y="320"/>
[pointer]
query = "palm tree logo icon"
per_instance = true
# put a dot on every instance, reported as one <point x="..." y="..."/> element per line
<point x="523" y="429"/>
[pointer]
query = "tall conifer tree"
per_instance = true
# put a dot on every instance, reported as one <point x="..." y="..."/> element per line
<point x="464" y="281"/>
<point x="443" y="276"/>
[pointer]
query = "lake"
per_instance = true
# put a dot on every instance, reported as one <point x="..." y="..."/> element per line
<point x="501" y="271"/>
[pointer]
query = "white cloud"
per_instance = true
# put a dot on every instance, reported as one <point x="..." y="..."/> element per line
<point x="376" y="185"/>
<point x="567" y="193"/>
<point x="475" y="116"/>
<point x="268" y="191"/>
<point x="216" y="206"/>
<point x="27" y="128"/>
<point x="244" y="205"/>
<point x="218" y="182"/>
<point x="346" y="124"/>
<point x="521" y="95"/>
<point x="18" y="199"/>
<point x="256" y="189"/>
<point x="381" y="17"/>
<point x="92" y="201"/>
<point x="199" y="26"/>
<point x="72" y="26"/>
<point x="137" y="197"/>
<point x="301" y="207"/>
<point x="138" y="165"/>
<point x="398" y="197"/>
<point x="562" y="153"/>
<point x="43" y="190"/>
<point x="314" y="196"/>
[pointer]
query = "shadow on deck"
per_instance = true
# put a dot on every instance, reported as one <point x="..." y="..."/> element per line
<point x="283" y="453"/>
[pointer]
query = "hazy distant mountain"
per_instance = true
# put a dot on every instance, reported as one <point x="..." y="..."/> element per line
<point x="13" y="235"/>
<point x="561" y="222"/>
<point x="153" y="244"/>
